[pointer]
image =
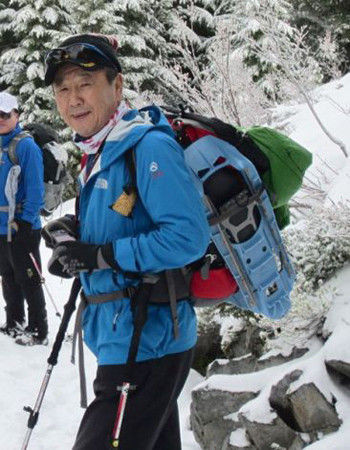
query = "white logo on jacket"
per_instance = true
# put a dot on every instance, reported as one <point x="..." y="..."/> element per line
<point x="153" y="167"/>
<point x="101" y="183"/>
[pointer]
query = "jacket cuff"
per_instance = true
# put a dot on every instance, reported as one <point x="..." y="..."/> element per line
<point x="107" y="252"/>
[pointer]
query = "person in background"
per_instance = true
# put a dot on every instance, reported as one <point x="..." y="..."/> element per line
<point x="139" y="213"/>
<point x="21" y="198"/>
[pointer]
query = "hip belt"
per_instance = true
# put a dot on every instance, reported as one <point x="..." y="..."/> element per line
<point x="171" y="286"/>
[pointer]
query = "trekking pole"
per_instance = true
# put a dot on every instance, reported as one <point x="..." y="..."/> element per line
<point x="140" y="302"/>
<point x="42" y="280"/>
<point x="52" y="360"/>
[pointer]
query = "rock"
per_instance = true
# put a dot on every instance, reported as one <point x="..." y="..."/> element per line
<point x="279" y="401"/>
<point x="248" y="363"/>
<point x="305" y="409"/>
<point x="275" y="360"/>
<point x="214" y="434"/>
<point x="264" y="435"/>
<point x="298" y="444"/>
<point x="208" y="409"/>
<point x="238" y="440"/>
<point x="340" y="367"/>
<point x="312" y="411"/>
<point x="208" y="347"/>
<point x="243" y="364"/>
<point x="247" y="339"/>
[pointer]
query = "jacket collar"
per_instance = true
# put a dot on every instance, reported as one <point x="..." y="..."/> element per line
<point x="126" y="134"/>
<point x="6" y="138"/>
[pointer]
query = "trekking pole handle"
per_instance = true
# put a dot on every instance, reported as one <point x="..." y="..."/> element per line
<point x="120" y="414"/>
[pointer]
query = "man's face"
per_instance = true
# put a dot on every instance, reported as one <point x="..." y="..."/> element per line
<point x="86" y="100"/>
<point x="7" y="125"/>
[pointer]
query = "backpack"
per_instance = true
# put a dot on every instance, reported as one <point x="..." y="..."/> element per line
<point x="288" y="162"/>
<point x="54" y="160"/>
<point x="246" y="263"/>
<point x="280" y="161"/>
<point x="245" y="186"/>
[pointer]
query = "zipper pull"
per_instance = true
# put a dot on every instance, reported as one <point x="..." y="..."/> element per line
<point x="114" y="323"/>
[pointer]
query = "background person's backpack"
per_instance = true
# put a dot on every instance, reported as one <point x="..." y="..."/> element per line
<point x="54" y="159"/>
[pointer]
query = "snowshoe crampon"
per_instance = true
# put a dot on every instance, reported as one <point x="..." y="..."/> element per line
<point x="243" y="227"/>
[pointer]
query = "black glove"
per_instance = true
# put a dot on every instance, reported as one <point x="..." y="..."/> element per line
<point x="23" y="231"/>
<point x="60" y="230"/>
<point x="72" y="257"/>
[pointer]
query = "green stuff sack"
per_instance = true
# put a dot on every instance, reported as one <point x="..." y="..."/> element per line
<point x="288" y="163"/>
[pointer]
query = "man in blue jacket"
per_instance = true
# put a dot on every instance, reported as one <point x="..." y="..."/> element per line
<point x="21" y="198"/>
<point x="140" y="217"/>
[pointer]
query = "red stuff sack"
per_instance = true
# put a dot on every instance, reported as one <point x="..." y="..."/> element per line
<point x="219" y="285"/>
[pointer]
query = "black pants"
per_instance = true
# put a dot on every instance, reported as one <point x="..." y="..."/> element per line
<point x="151" y="420"/>
<point x="20" y="281"/>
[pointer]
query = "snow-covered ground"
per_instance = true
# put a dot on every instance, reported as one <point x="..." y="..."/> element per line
<point x="23" y="369"/>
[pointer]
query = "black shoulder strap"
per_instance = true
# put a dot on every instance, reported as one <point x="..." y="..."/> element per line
<point x="131" y="163"/>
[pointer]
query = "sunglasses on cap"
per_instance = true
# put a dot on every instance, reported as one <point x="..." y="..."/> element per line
<point x="87" y="56"/>
<point x="5" y="115"/>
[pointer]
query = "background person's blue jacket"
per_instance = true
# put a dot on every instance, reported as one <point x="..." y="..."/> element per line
<point x="168" y="229"/>
<point x="31" y="182"/>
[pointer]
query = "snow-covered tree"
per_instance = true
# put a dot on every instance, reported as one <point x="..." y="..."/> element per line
<point x="224" y="88"/>
<point x="143" y="38"/>
<point x="290" y="68"/>
<point x="5" y="19"/>
<point x="96" y="16"/>
<point x="258" y="25"/>
<point x="319" y="245"/>
<point x="193" y="26"/>
<point x="207" y="75"/>
<point x="7" y="37"/>
<point x="37" y="25"/>
<point x="326" y="20"/>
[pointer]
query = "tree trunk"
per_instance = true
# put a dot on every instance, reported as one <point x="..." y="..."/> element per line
<point x="338" y="142"/>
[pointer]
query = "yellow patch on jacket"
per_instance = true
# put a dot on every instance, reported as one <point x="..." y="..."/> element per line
<point x="124" y="205"/>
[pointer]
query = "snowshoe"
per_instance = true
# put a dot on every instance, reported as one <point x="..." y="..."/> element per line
<point x="13" y="332"/>
<point x="30" y="339"/>
<point x="243" y="226"/>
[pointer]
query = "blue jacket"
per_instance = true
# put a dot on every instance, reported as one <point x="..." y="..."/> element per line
<point x="168" y="229"/>
<point x="30" y="191"/>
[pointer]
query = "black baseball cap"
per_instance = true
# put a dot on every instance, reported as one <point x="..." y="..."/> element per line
<point x="89" y="51"/>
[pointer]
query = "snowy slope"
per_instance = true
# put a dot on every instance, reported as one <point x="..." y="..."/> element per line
<point x="330" y="170"/>
<point x="23" y="368"/>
